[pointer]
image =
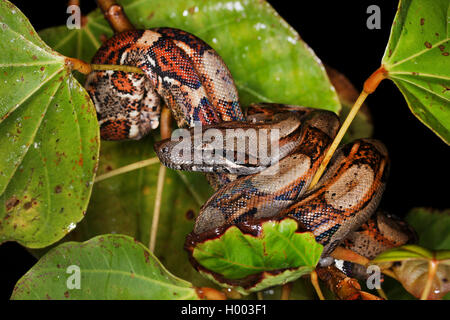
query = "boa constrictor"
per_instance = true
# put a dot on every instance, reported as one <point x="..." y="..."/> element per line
<point x="193" y="81"/>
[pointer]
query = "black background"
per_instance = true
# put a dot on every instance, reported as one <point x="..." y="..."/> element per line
<point x="337" y="32"/>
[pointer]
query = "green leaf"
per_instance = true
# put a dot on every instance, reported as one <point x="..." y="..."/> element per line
<point x="113" y="267"/>
<point x="49" y="138"/>
<point x="267" y="58"/>
<point x="432" y="226"/>
<point x="417" y="59"/>
<point x="410" y="265"/>
<point x="248" y="263"/>
<point x="403" y="253"/>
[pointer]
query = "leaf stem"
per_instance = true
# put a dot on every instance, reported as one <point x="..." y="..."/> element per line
<point x="165" y="130"/>
<point x="341" y="253"/>
<point x="115" y="15"/>
<point x="382" y="294"/>
<point x="210" y="294"/>
<point x="369" y="86"/>
<point x="315" y="283"/>
<point x="157" y="207"/>
<point x="286" y="291"/>
<point x="432" y="269"/>
<point x="86" y="68"/>
<point x="116" y="67"/>
<point x="127" y="168"/>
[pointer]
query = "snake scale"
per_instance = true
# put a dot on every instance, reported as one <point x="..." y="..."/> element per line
<point x="187" y="75"/>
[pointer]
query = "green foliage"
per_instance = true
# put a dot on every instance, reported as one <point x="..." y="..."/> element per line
<point x="279" y="254"/>
<point x="417" y="60"/>
<point x="111" y="267"/>
<point x="49" y="138"/>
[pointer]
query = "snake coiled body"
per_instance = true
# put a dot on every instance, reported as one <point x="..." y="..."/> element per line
<point x="188" y="76"/>
<point x="180" y="70"/>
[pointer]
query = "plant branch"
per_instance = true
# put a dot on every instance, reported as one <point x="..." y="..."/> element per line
<point x="128" y="168"/>
<point x="86" y="68"/>
<point x="165" y="129"/>
<point x="369" y="86"/>
<point x="432" y="269"/>
<point x="210" y="294"/>
<point x="286" y="291"/>
<point x="315" y="283"/>
<point x="341" y="253"/>
<point x="115" y="15"/>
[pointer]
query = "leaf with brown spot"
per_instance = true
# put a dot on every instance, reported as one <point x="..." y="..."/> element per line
<point x="416" y="59"/>
<point x="111" y="267"/>
<point x="43" y="131"/>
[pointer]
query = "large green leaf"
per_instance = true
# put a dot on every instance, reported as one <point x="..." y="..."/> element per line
<point x="48" y="138"/>
<point x="278" y="254"/>
<point x="417" y="60"/>
<point x="113" y="267"/>
<point x="432" y="226"/>
<point x="267" y="58"/>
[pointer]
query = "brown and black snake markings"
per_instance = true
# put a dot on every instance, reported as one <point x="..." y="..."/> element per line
<point x="188" y="76"/>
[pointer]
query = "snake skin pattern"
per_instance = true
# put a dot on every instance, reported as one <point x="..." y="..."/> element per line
<point x="180" y="70"/>
<point x="187" y="75"/>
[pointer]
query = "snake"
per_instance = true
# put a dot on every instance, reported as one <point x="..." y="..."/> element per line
<point x="183" y="72"/>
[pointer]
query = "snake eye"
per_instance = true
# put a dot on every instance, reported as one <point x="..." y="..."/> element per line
<point x="165" y="149"/>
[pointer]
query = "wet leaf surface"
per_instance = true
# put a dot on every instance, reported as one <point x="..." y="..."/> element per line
<point x="417" y="59"/>
<point x="113" y="267"/>
<point x="278" y="254"/>
<point x="48" y="138"/>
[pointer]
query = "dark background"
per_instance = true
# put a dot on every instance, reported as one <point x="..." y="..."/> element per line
<point x="337" y="32"/>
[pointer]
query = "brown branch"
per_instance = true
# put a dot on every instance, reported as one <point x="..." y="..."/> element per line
<point x="73" y="3"/>
<point x="210" y="294"/>
<point x="345" y="288"/>
<point x="115" y="15"/>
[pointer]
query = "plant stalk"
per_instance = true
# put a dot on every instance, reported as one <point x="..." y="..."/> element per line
<point x="370" y="86"/>
<point x="432" y="269"/>
<point x="165" y="129"/>
<point x="115" y="15"/>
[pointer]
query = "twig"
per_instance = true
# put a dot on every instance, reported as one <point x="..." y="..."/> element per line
<point x="382" y="294"/>
<point x="210" y="294"/>
<point x="341" y="253"/>
<point x="73" y="3"/>
<point x="165" y="129"/>
<point x="115" y="15"/>
<point x="286" y="291"/>
<point x="369" y="86"/>
<point x="315" y="283"/>
<point x="157" y="207"/>
<point x="86" y="68"/>
<point x="128" y="168"/>
<point x="432" y="269"/>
